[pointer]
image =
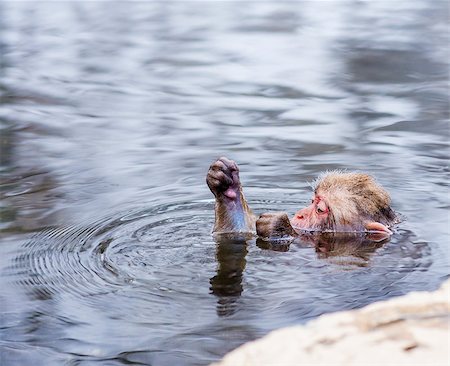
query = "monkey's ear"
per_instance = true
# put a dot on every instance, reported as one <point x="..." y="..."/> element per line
<point x="376" y="226"/>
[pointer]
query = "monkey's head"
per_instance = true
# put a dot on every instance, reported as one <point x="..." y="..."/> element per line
<point x="346" y="202"/>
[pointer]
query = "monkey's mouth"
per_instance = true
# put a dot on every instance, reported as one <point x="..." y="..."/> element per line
<point x="303" y="226"/>
<point x="306" y="230"/>
<point x="375" y="236"/>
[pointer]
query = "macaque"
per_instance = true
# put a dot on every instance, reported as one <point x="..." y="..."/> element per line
<point x="342" y="202"/>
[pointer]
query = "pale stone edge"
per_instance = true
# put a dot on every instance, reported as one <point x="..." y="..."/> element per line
<point x="408" y="330"/>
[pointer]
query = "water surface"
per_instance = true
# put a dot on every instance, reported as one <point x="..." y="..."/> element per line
<point x="110" y="114"/>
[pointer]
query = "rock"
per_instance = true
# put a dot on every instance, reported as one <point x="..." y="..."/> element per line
<point x="408" y="330"/>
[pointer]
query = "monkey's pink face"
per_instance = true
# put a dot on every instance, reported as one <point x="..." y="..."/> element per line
<point x="314" y="217"/>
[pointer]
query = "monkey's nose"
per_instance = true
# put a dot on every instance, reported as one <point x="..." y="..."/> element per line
<point x="299" y="217"/>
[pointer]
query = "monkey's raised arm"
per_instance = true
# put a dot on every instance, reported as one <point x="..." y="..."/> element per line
<point x="233" y="215"/>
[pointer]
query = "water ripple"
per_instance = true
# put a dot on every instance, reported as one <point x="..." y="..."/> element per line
<point x="112" y="253"/>
<point x="159" y="269"/>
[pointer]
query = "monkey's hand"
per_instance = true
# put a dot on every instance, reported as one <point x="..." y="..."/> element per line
<point x="274" y="225"/>
<point x="223" y="179"/>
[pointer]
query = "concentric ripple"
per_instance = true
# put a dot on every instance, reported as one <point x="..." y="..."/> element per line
<point x="116" y="252"/>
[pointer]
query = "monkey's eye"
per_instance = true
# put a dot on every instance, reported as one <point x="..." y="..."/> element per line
<point x="321" y="207"/>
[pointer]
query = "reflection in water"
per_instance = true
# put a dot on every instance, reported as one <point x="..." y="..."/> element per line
<point x="227" y="283"/>
<point x="347" y="246"/>
<point x="346" y="250"/>
<point x="279" y="245"/>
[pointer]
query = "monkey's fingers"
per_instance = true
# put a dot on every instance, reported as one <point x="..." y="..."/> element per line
<point x="224" y="164"/>
<point x="229" y="164"/>
<point x="220" y="177"/>
<point x="223" y="178"/>
<point x="221" y="184"/>
<point x="218" y="183"/>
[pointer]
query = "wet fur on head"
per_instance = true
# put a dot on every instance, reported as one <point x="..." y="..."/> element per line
<point x="354" y="198"/>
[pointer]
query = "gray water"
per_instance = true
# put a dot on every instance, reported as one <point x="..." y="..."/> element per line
<point x="111" y="113"/>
